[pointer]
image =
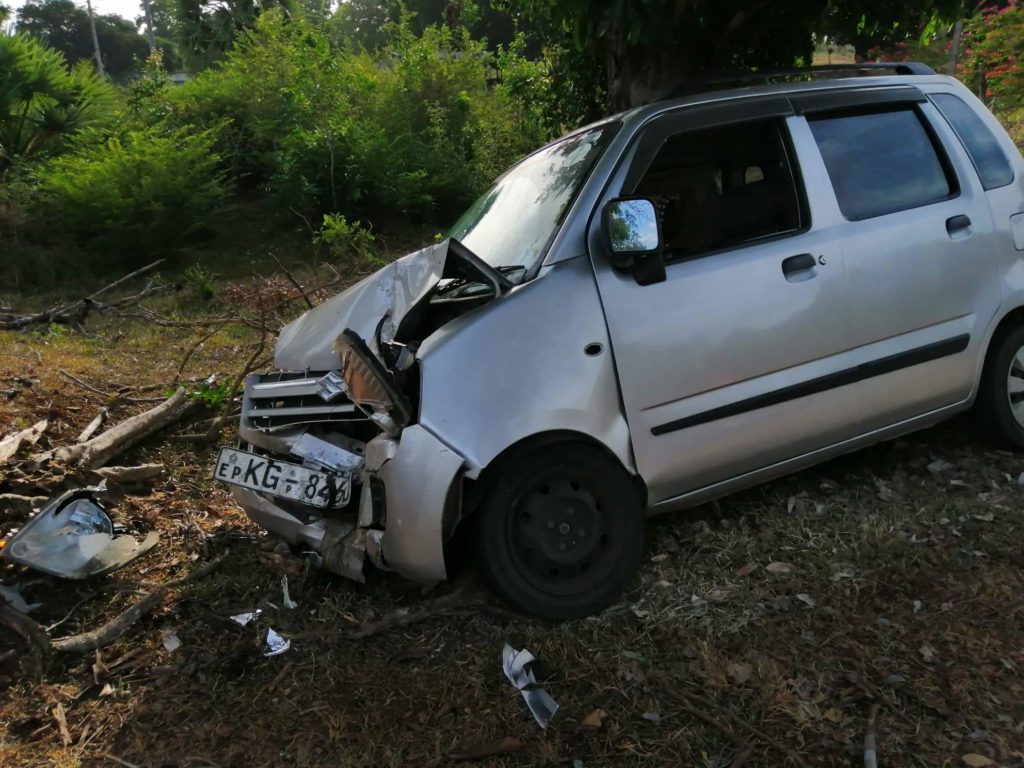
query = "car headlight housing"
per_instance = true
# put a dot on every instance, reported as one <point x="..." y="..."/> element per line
<point x="369" y="384"/>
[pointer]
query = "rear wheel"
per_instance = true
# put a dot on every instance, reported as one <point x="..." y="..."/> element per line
<point x="561" y="531"/>
<point x="1000" y="403"/>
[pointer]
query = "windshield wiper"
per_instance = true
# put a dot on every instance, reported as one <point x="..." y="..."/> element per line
<point x="470" y="261"/>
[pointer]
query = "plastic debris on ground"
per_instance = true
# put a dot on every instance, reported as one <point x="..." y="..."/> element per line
<point x="170" y="640"/>
<point x="286" y="598"/>
<point x="243" y="619"/>
<point x="276" y="645"/>
<point x="73" y="537"/>
<point x="13" y="596"/>
<point x="514" y="663"/>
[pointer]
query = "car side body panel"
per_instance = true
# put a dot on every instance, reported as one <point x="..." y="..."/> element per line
<point x="537" y="360"/>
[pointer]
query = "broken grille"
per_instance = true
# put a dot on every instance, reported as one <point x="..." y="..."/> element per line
<point x="284" y="399"/>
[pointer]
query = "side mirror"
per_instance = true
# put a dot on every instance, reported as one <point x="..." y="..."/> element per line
<point x="634" y="238"/>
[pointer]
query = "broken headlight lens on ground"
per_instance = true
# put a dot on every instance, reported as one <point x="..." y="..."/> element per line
<point x="72" y="537"/>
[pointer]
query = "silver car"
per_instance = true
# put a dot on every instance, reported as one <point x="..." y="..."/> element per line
<point x="676" y="303"/>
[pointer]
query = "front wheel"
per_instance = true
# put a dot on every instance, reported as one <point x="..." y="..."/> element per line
<point x="561" y="531"/>
<point x="1000" y="404"/>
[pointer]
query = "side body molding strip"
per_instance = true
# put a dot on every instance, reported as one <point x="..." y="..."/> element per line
<point x="842" y="378"/>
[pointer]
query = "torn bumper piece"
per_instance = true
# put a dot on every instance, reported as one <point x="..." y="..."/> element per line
<point x="73" y="538"/>
<point x="408" y="504"/>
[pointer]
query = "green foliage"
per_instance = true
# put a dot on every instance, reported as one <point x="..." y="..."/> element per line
<point x="201" y="282"/>
<point x="650" y="47"/>
<point x="418" y="130"/>
<point x="207" y="28"/>
<point x="211" y="395"/>
<point x="878" y="28"/>
<point x="132" y="194"/>
<point x="348" y="242"/>
<point x="42" y="102"/>
<point x="63" y="26"/>
<point x="993" y="63"/>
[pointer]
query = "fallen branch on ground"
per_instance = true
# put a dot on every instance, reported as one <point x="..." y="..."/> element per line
<point x="128" y="475"/>
<point x="84" y="384"/>
<point x="85" y="642"/>
<point x="93" y="425"/>
<point x="75" y="313"/>
<point x="11" y="444"/>
<point x="99" y="450"/>
<point x="33" y="635"/>
<point x="466" y="595"/>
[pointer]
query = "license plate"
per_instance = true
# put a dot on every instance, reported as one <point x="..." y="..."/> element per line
<point x="283" y="479"/>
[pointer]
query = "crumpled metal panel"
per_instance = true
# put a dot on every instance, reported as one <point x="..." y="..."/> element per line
<point x="73" y="538"/>
<point x="305" y="343"/>
<point x="417" y="481"/>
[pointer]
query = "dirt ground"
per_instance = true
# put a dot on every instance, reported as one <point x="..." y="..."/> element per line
<point x="763" y="630"/>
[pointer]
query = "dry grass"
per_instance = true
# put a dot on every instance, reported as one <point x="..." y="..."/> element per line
<point x="905" y="590"/>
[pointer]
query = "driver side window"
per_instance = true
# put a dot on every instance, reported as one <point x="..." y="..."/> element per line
<point x="723" y="187"/>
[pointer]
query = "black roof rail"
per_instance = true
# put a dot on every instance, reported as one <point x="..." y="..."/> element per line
<point x="709" y="83"/>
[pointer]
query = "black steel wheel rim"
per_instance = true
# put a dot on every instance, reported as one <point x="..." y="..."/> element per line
<point x="560" y="534"/>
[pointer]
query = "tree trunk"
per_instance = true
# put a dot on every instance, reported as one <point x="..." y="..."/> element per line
<point x="638" y="75"/>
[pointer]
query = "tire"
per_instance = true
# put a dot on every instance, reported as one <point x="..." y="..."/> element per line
<point x="1000" y="404"/>
<point x="560" y="531"/>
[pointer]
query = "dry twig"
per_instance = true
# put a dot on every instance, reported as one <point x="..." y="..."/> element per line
<point x="690" y="699"/>
<point x="75" y="313"/>
<point x="91" y="428"/>
<point x="113" y="629"/>
<point x="871" y="740"/>
<point x="465" y="596"/>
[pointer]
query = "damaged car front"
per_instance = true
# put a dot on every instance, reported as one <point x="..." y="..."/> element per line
<point x="362" y="442"/>
<point x="322" y="438"/>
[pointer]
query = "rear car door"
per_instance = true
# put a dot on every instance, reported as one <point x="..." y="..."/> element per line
<point x="921" y="276"/>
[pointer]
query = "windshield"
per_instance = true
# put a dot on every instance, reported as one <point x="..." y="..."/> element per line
<point x="512" y="224"/>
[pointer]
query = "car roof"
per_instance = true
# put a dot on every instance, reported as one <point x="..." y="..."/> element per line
<point x="722" y="95"/>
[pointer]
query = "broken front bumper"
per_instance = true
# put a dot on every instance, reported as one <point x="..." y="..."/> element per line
<point x="409" y="504"/>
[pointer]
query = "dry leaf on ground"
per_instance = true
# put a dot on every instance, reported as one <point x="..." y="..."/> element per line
<point x="594" y="720"/>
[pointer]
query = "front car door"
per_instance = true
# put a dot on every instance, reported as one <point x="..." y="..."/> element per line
<point x="726" y="366"/>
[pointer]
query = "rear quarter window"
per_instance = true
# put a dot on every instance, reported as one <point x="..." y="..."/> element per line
<point x="988" y="158"/>
<point x="881" y="162"/>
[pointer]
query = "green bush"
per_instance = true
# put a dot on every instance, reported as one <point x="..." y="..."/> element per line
<point x="144" y="191"/>
<point x="349" y="243"/>
<point x="993" y="63"/>
<point x="417" y="129"/>
<point x="43" y="102"/>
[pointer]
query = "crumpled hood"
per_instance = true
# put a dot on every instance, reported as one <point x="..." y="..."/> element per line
<point x="305" y="343"/>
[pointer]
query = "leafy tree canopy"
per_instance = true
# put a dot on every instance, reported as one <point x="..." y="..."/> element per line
<point x="209" y="27"/>
<point x="43" y="102"/>
<point x="872" y="25"/>
<point x="62" y="25"/>
<point x="648" y="47"/>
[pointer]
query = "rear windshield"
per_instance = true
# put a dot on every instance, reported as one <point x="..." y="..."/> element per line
<point x="993" y="167"/>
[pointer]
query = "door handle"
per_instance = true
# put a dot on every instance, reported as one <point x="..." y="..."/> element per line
<point x="794" y="265"/>
<point x="957" y="224"/>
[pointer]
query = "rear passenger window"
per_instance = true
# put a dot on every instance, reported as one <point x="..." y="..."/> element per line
<point x="993" y="167"/>
<point x="881" y="162"/>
